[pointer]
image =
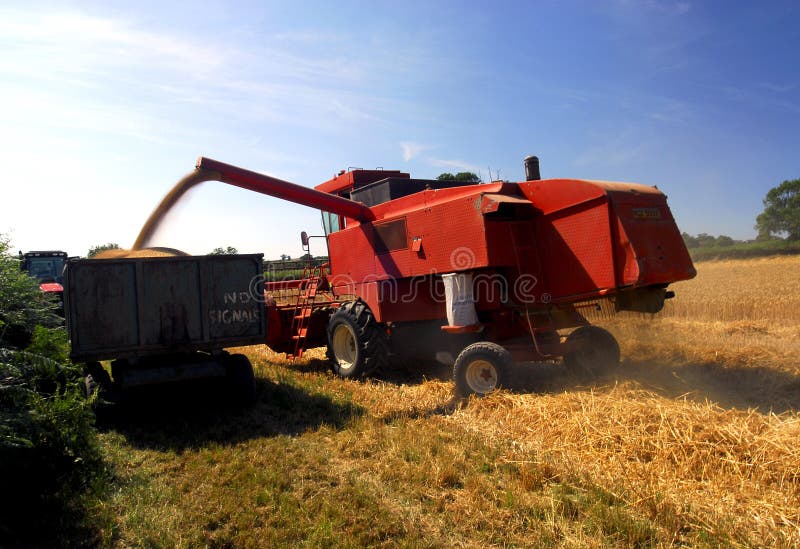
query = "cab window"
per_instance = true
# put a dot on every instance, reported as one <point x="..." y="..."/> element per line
<point x="330" y="222"/>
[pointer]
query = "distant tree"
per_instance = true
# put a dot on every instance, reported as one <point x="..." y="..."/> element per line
<point x="94" y="250"/>
<point x="725" y="240"/>
<point x="690" y="241"/>
<point x="230" y="250"/>
<point x="781" y="213"/>
<point x="466" y="177"/>
<point x="705" y="240"/>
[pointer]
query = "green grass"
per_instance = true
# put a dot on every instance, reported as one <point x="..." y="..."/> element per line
<point x="315" y="464"/>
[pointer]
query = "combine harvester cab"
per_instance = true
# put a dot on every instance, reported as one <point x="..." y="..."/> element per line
<point x="478" y="275"/>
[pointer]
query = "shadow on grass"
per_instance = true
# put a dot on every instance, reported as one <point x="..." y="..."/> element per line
<point x="400" y="372"/>
<point x="194" y="414"/>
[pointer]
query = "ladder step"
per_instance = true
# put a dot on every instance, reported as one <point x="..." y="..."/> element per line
<point x="301" y="333"/>
<point x="303" y="315"/>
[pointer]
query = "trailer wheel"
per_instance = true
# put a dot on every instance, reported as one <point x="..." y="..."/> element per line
<point x="481" y="368"/>
<point x="596" y="352"/>
<point x="97" y="379"/>
<point x="357" y="345"/>
<point x="241" y="379"/>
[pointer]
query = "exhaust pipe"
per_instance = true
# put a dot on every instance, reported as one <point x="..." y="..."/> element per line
<point x="532" y="168"/>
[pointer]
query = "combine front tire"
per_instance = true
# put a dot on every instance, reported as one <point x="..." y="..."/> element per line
<point x="481" y="368"/>
<point x="357" y="345"/>
<point x="594" y="351"/>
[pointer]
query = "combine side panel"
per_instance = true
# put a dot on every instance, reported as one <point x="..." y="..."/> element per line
<point x="577" y="247"/>
<point x="596" y="237"/>
<point x="650" y="248"/>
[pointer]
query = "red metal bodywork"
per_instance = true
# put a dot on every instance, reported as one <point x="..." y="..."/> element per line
<point x="537" y="248"/>
<point x="578" y="240"/>
<point x="273" y="186"/>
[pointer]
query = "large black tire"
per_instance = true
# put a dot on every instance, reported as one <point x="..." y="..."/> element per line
<point x="594" y="352"/>
<point x="241" y="379"/>
<point x="90" y="386"/>
<point x="96" y="380"/>
<point x="357" y="344"/>
<point x="481" y="368"/>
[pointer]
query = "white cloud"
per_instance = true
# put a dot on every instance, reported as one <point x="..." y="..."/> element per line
<point x="457" y="164"/>
<point x="91" y="43"/>
<point x="411" y="149"/>
<point x="122" y="65"/>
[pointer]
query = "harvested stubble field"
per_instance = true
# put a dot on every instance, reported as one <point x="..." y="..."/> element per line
<point x="694" y="441"/>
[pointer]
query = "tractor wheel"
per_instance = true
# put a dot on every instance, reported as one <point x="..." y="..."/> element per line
<point x="595" y="352"/>
<point x="241" y="379"/>
<point x="357" y="344"/>
<point x="481" y="368"/>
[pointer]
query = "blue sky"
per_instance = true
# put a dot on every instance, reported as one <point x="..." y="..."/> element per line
<point x="104" y="106"/>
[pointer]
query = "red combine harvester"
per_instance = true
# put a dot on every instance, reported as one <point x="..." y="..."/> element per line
<point x="490" y="274"/>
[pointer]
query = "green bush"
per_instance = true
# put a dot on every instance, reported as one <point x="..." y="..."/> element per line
<point x="22" y="305"/>
<point x="49" y="453"/>
<point x="743" y="250"/>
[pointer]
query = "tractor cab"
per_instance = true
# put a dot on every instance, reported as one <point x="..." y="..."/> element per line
<point x="47" y="266"/>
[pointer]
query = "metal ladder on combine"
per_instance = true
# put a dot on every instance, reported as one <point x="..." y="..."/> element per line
<point x="528" y="262"/>
<point x="304" y="305"/>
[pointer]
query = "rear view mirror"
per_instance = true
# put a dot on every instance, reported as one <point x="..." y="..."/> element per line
<point x="304" y="239"/>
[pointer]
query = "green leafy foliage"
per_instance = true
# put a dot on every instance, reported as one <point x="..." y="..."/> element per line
<point x="48" y="447"/>
<point x="22" y="305"/>
<point x="230" y="250"/>
<point x="466" y="177"/>
<point x="743" y="250"/>
<point x="704" y="240"/>
<point x="705" y="246"/>
<point x="94" y="250"/>
<point x="781" y="213"/>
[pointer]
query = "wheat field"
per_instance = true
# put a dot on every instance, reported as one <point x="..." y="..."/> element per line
<point x="693" y="441"/>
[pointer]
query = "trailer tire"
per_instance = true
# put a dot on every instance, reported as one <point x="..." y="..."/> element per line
<point x="481" y="368"/>
<point x="241" y="379"/>
<point x="357" y="344"/>
<point x="90" y="386"/>
<point x="96" y="380"/>
<point x="597" y="352"/>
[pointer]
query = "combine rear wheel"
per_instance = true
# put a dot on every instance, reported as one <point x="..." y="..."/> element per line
<point x="481" y="368"/>
<point x="594" y="352"/>
<point x="357" y="345"/>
